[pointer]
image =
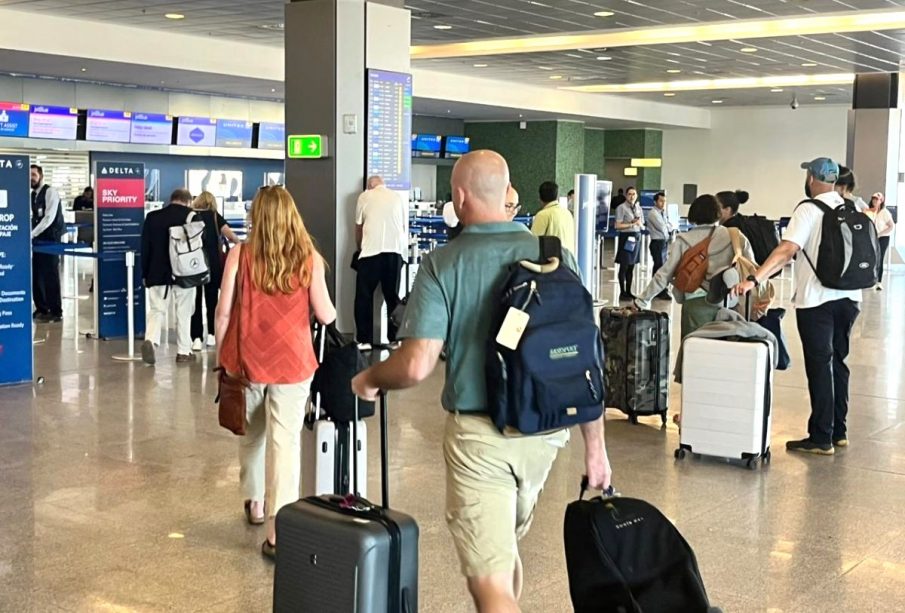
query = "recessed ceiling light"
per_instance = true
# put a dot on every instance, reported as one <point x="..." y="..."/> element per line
<point x="819" y="98"/>
<point x="809" y="64"/>
<point x="604" y="58"/>
<point x="556" y="77"/>
<point x="748" y="49"/>
<point x="273" y="26"/>
<point x="442" y="27"/>
<point x="669" y="94"/>
<point x="776" y="90"/>
<point x="480" y="65"/>
<point x="273" y="90"/>
<point x="545" y="67"/>
<point x="174" y="16"/>
<point x="673" y="71"/>
<point x="84" y="70"/>
<point x="603" y="14"/>
<point x="717" y="101"/>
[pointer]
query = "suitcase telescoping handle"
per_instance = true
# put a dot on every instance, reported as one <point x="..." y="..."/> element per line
<point x="384" y="452"/>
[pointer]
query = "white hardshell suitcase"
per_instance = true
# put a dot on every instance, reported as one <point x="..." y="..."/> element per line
<point x="324" y="443"/>
<point x="727" y="396"/>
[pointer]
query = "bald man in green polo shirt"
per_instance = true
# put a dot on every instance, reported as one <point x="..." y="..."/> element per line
<point x="492" y="482"/>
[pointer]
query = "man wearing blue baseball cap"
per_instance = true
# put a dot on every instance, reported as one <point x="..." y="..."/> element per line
<point x="825" y="316"/>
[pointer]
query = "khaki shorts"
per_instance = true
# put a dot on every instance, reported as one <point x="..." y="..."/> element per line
<point x="492" y="486"/>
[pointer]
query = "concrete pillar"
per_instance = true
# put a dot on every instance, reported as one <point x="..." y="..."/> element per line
<point x="329" y="45"/>
<point x="875" y="139"/>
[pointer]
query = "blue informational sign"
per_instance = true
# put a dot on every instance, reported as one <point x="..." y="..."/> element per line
<point x="14" y="119"/>
<point x="16" y="361"/>
<point x="119" y="215"/>
<point x="234" y="133"/>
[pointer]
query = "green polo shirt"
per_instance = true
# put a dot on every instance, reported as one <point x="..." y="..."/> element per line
<point x="454" y="298"/>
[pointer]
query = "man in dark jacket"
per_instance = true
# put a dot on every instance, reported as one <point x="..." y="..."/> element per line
<point x="47" y="225"/>
<point x="158" y="278"/>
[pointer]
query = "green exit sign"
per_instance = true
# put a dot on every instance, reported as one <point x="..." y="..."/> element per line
<point x="306" y="146"/>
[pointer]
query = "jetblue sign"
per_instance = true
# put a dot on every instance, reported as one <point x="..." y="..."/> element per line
<point x="16" y="363"/>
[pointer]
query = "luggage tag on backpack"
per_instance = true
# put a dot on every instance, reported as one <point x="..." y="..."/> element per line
<point x="512" y="329"/>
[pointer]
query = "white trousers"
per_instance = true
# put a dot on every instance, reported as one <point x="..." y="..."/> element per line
<point x="274" y="414"/>
<point x="157" y="313"/>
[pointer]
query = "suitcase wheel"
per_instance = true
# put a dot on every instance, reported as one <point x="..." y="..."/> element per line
<point x="767" y="457"/>
<point x="633" y="419"/>
<point x="680" y="453"/>
<point x="752" y="463"/>
<point x="663" y="419"/>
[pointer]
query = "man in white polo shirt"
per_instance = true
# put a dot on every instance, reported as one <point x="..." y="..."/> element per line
<point x="825" y="316"/>
<point x="381" y="239"/>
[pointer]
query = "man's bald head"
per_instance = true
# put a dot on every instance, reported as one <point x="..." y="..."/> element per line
<point x="374" y="181"/>
<point x="479" y="183"/>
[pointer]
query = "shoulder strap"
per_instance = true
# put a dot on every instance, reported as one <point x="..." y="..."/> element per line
<point x="819" y="203"/>
<point x="736" y="238"/>
<point x="550" y="247"/>
<point x="237" y="311"/>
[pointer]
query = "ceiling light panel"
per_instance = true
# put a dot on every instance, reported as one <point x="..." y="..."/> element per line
<point x="717" y="84"/>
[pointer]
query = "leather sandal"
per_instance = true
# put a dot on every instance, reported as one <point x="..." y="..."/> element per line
<point x="251" y="519"/>
<point x="269" y="550"/>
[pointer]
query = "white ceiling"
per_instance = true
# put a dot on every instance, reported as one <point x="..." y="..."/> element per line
<point x="253" y="20"/>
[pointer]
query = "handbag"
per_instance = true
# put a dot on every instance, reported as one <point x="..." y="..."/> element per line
<point x="222" y="245"/>
<point x="231" y="388"/>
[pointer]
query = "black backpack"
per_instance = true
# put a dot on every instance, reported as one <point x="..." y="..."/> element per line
<point x="333" y="378"/>
<point x="624" y="556"/>
<point x="849" y="253"/>
<point x="554" y="377"/>
<point x="761" y="233"/>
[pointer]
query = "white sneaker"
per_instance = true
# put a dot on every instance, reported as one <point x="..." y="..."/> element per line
<point x="364" y="347"/>
<point x="196" y="345"/>
<point x="211" y="340"/>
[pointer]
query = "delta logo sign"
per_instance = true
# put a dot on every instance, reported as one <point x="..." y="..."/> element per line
<point x="14" y="119"/>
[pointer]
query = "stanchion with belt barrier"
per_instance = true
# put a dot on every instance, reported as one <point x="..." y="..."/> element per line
<point x="130" y="310"/>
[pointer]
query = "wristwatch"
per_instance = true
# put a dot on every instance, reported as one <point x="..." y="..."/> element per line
<point x="753" y="280"/>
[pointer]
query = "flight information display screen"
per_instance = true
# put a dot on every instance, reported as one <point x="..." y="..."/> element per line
<point x="390" y="127"/>
<point x="271" y="135"/>
<point x="456" y="146"/>
<point x="151" y="129"/>
<point x="426" y="145"/>
<point x="234" y="133"/>
<point x="14" y="119"/>
<point x="197" y="132"/>
<point x="108" y="126"/>
<point x="59" y="122"/>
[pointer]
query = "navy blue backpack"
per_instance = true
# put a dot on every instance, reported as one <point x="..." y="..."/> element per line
<point x="554" y="377"/>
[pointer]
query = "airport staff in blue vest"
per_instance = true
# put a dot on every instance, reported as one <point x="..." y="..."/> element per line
<point x="47" y="225"/>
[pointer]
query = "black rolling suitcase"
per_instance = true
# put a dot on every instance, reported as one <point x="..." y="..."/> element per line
<point x="340" y="554"/>
<point x="624" y="556"/>
<point x="636" y="353"/>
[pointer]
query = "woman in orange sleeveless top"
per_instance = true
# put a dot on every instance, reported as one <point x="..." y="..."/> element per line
<point x="278" y="279"/>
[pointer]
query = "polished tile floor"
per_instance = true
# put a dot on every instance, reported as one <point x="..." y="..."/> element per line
<point x="120" y="491"/>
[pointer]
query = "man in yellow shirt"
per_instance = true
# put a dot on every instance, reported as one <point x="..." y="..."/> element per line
<point x="554" y="219"/>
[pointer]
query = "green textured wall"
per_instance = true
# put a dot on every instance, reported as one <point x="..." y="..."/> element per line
<point x="594" y="149"/>
<point x="569" y="154"/>
<point x="530" y="153"/>
<point x="623" y="144"/>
